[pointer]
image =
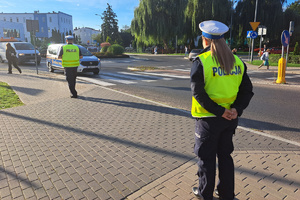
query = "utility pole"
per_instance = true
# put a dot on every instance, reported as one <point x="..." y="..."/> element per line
<point x="252" y="46"/>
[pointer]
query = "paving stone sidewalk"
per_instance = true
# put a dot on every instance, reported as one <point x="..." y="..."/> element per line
<point x="110" y="145"/>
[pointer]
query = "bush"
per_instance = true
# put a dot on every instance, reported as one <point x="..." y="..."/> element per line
<point x="108" y="54"/>
<point x="116" y="49"/>
<point x="104" y="49"/>
<point x="294" y="59"/>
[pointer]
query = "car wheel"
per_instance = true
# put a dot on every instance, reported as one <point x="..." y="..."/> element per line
<point x="50" y="69"/>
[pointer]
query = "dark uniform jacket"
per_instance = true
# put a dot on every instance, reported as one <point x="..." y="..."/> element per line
<point x="10" y="53"/>
<point x="197" y="86"/>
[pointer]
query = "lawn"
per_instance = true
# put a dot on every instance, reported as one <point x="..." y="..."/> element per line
<point x="8" y="98"/>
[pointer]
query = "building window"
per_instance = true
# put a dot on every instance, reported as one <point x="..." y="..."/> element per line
<point x="44" y="19"/>
<point x="4" y="19"/>
<point x="10" y="20"/>
<point x="42" y="29"/>
<point x="17" y="19"/>
<point x="48" y="30"/>
<point x="11" y="33"/>
<point x="50" y="19"/>
<point x="24" y="19"/>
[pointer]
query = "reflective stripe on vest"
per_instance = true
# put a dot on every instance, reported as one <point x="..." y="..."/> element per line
<point x="70" y="57"/>
<point x="221" y="87"/>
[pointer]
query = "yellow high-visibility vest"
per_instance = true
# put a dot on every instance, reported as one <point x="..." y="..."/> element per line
<point x="70" y="57"/>
<point x="221" y="87"/>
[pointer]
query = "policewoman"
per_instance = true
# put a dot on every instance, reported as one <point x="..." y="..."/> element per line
<point x="70" y="55"/>
<point x="221" y="90"/>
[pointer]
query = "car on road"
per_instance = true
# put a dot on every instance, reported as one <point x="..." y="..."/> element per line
<point x="194" y="53"/>
<point x="25" y="52"/>
<point x="89" y="62"/>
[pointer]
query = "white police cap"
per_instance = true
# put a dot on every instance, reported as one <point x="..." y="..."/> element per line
<point x="69" y="37"/>
<point x="213" y="29"/>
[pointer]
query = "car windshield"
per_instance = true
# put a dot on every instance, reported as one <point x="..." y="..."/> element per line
<point x="85" y="52"/>
<point x="24" y="46"/>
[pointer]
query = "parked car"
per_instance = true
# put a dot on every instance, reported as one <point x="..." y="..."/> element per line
<point x="2" y="52"/>
<point x="93" y="49"/>
<point x="89" y="62"/>
<point x="194" y="53"/>
<point x="25" y="52"/>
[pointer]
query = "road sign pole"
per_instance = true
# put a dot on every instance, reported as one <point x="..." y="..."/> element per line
<point x="291" y="29"/>
<point x="252" y="50"/>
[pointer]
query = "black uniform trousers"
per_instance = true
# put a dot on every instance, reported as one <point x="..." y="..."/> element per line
<point x="213" y="137"/>
<point x="71" y="74"/>
<point x="13" y="61"/>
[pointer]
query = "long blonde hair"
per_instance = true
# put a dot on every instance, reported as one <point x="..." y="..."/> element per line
<point x="222" y="54"/>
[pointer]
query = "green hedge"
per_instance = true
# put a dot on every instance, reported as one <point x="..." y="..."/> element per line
<point x="104" y="49"/>
<point x="115" y="49"/>
<point x="295" y="59"/>
<point x="109" y="55"/>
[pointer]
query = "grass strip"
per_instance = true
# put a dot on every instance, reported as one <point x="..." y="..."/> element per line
<point x="8" y="98"/>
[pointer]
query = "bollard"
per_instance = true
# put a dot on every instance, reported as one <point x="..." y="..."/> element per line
<point x="281" y="71"/>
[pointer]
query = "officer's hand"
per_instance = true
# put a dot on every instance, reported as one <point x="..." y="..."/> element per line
<point x="235" y="113"/>
<point x="228" y="114"/>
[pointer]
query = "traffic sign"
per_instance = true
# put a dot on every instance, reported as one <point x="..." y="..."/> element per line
<point x="254" y="25"/>
<point x="285" y="38"/>
<point x="253" y="35"/>
<point x="32" y="25"/>
<point x="249" y="33"/>
<point x="262" y="31"/>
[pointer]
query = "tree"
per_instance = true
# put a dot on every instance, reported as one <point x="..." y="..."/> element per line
<point x="200" y="10"/>
<point x="110" y="24"/>
<point x="126" y="37"/>
<point x="98" y="38"/>
<point x="292" y="13"/>
<point x="158" y="21"/>
<point x="56" y="37"/>
<point x="269" y="14"/>
<point x="296" y="49"/>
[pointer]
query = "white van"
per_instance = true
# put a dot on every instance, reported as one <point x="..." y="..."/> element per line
<point x="24" y="51"/>
<point x="89" y="62"/>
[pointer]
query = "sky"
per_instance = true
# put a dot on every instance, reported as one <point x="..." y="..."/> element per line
<point x="83" y="11"/>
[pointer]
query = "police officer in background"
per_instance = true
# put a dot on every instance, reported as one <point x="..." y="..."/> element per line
<point x="70" y="55"/>
<point x="221" y="90"/>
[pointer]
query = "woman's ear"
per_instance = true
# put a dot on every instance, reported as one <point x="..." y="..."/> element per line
<point x="205" y="42"/>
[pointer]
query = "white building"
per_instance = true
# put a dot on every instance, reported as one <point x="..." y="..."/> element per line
<point x="60" y="21"/>
<point x="86" y="34"/>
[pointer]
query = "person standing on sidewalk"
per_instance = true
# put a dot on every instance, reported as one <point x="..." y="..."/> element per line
<point x="221" y="90"/>
<point x="70" y="55"/>
<point x="11" y="57"/>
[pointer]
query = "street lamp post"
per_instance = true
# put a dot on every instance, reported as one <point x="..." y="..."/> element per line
<point x="101" y="27"/>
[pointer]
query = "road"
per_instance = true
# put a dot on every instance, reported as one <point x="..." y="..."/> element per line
<point x="274" y="108"/>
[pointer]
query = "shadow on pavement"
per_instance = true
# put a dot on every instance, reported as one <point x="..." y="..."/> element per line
<point x="17" y="176"/>
<point x="260" y="125"/>
<point x="123" y="141"/>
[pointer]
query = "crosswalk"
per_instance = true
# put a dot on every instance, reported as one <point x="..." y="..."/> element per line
<point x="110" y="79"/>
<point x="130" y="78"/>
